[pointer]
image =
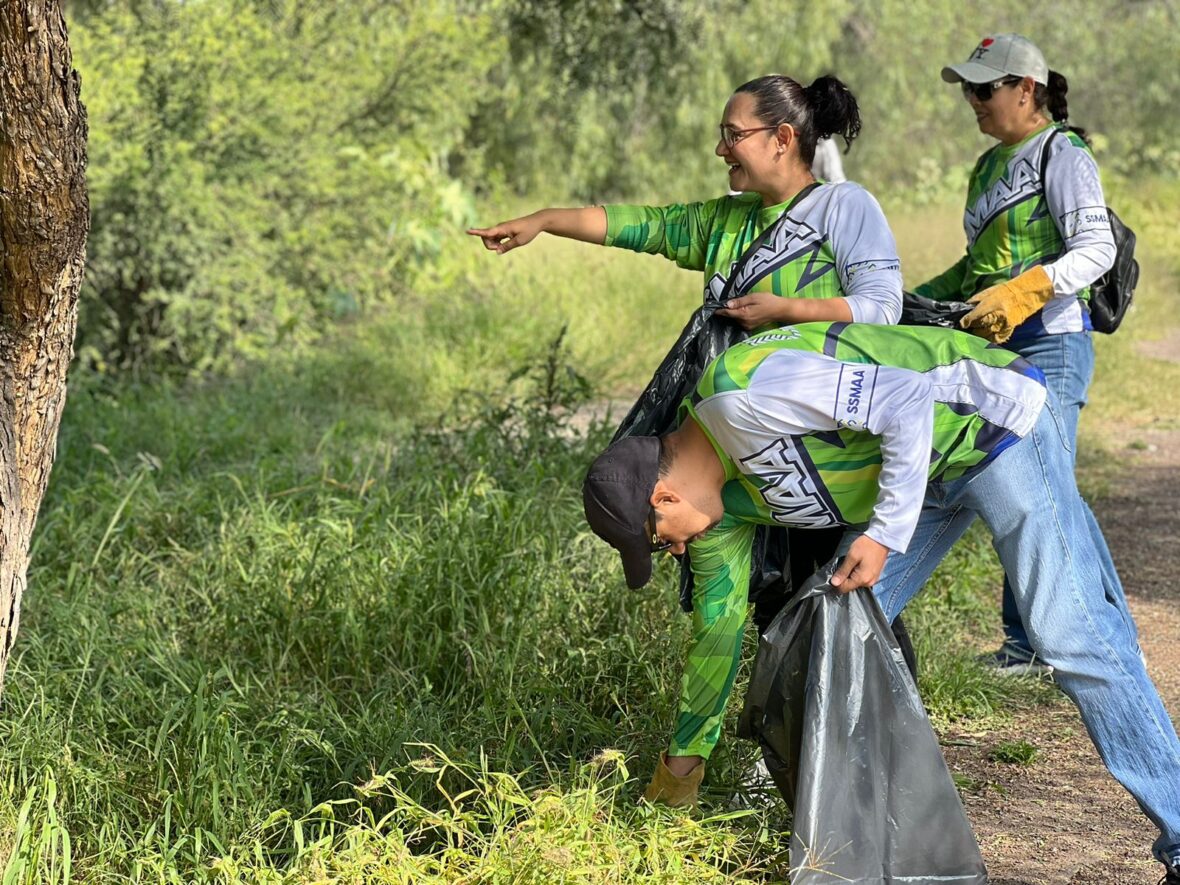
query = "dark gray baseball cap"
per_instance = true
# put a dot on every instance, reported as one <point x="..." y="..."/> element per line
<point x="616" y="495"/>
<point x="998" y="56"/>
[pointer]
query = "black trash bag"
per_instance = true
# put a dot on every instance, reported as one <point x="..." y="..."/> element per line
<point x="847" y="742"/>
<point x="918" y="310"/>
<point x="703" y="339"/>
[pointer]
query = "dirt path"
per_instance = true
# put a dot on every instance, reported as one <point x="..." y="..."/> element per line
<point x="1064" y="819"/>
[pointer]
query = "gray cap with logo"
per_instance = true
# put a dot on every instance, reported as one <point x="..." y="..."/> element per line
<point x="999" y="56"/>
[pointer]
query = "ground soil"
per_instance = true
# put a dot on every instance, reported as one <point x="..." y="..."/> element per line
<point x="1063" y="818"/>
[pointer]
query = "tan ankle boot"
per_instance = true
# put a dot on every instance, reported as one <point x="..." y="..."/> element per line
<point x="673" y="791"/>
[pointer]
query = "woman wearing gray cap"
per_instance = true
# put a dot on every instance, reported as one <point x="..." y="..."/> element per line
<point x="1037" y="236"/>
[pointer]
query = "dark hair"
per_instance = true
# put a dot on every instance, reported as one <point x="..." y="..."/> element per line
<point x="821" y="110"/>
<point x="667" y="455"/>
<point x="1051" y="98"/>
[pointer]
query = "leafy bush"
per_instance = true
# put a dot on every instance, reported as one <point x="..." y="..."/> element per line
<point x="261" y="171"/>
<point x="258" y="171"/>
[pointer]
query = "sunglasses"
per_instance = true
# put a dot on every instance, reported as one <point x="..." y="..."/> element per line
<point x="984" y="91"/>
<point x="658" y="544"/>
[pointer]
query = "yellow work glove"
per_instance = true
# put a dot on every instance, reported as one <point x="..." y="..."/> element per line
<point x="1001" y="308"/>
<point x="673" y="791"/>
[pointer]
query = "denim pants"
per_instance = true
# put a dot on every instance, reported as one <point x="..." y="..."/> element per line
<point x="1068" y="363"/>
<point x="1029" y="501"/>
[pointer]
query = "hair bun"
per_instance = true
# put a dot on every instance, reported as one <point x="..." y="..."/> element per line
<point x="834" y="110"/>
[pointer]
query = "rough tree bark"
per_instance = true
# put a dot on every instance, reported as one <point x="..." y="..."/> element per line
<point x="44" y="220"/>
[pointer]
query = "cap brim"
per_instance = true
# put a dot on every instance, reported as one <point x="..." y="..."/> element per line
<point x="972" y="72"/>
<point x="636" y="567"/>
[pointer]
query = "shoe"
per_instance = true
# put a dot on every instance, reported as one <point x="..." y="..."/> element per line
<point x="672" y="790"/>
<point x="1012" y="660"/>
<point x="1171" y="872"/>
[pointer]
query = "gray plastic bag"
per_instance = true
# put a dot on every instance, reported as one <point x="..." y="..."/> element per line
<point x="847" y="741"/>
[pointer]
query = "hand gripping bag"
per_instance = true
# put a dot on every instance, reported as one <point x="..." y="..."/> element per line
<point x="847" y="741"/>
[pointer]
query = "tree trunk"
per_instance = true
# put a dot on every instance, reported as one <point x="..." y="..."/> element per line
<point x="44" y="219"/>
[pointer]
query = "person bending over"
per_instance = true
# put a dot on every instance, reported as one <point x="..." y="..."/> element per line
<point x="903" y="435"/>
<point x="832" y="256"/>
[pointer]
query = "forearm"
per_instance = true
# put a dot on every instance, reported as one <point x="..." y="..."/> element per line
<point x="813" y="310"/>
<point x="899" y="408"/>
<point x="948" y="285"/>
<point x="587" y="224"/>
<point x="708" y="680"/>
<point x="1074" y="193"/>
<point x="721" y="568"/>
<point x="1081" y="266"/>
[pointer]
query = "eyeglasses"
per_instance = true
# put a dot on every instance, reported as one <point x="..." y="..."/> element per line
<point x="658" y="544"/>
<point x="731" y="136"/>
<point x="984" y="91"/>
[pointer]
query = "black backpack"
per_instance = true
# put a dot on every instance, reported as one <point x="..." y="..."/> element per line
<point x="1111" y="293"/>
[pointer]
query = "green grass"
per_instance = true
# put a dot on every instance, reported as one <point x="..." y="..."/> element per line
<point x="1019" y="752"/>
<point x="338" y="618"/>
<point x="249" y="600"/>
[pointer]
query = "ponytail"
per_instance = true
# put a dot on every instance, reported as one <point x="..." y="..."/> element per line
<point x="1051" y="99"/>
<point x="833" y="110"/>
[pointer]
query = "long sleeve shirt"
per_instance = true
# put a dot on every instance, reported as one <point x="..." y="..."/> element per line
<point x="825" y="424"/>
<point x="834" y="242"/>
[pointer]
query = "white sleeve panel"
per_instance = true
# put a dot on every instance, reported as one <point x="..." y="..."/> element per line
<point x="1073" y="191"/>
<point x="866" y="256"/>
<point x="796" y="392"/>
<point x="901" y="412"/>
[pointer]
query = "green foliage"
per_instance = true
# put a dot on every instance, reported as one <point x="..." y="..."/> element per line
<point x="255" y="597"/>
<point x="248" y="599"/>
<point x="40" y="843"/>
<point x="585" y="100"/>
<point x="264" y="171"/>
<point x="493" y="829"/>
<point x="257" y="172"/>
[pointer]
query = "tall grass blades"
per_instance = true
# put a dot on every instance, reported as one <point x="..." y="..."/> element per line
<point x="40" y="852"/>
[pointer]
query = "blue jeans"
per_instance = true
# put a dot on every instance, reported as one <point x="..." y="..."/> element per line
<point x="1068" y="363"/>
<point x="1029" y="501"/>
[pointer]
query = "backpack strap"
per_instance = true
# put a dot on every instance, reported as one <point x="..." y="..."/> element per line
<point x="727" y="292"/>
<point x="1045" y="158"/>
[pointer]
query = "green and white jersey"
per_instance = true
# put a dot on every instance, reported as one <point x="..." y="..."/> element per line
<point x="1015" y="221"/>
<point x="834" y="242"/>
<point x="825" y="424"/>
